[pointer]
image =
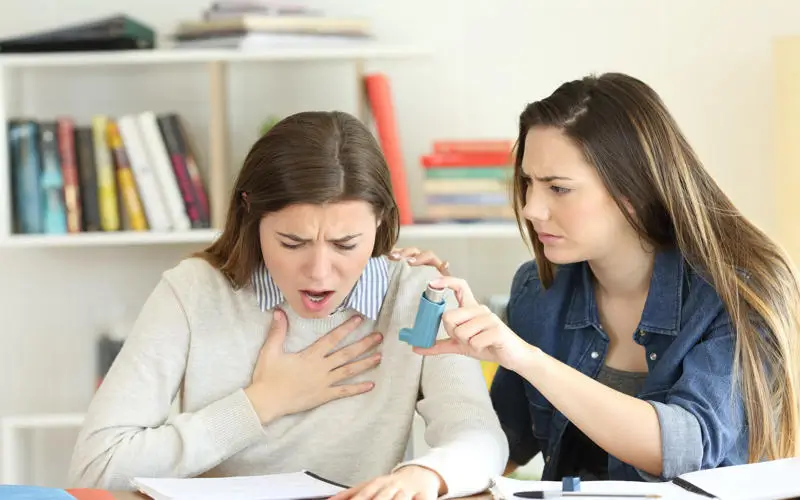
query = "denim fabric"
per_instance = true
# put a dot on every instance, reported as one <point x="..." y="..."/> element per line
<point x="689" y="345"/>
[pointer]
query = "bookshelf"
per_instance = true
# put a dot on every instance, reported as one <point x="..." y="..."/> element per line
<point x="786" y="64"/>
<point x="203" y="236"/>
<point x="216" y="63"/>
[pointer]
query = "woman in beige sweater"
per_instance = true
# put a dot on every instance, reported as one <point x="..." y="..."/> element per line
<point x="281" y="340"/>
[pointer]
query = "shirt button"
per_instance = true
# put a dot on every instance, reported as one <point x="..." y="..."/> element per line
<point x="653" y="356"/>
<point x="595" y="355"/>
<point x="547" y="459"/>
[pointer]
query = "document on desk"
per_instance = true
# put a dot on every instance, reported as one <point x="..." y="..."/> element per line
<point x="302" y="485"/>
<point x="506" y="488"/>
<point x="771" y="480"/>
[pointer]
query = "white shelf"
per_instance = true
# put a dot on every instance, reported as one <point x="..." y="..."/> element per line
<point x="101" y="239"/>
<point x="478" y="230"/>
<point x="177" y="56"/>
<point x="42" y="421"/>
<point x="134" y="238"/>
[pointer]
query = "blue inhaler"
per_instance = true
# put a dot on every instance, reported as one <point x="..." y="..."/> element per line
<point x="426" y="324"/>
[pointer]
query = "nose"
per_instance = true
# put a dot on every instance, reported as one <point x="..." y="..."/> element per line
<point x="536" y="207"/>
<point x="319" y="264"/>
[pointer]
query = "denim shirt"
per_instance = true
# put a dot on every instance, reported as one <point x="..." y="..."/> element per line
<point x="689" y="344"/>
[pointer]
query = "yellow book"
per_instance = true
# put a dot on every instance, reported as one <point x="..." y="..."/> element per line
<point x="127" y="184"/>
<point x="106" y="185"/>
<point x="489" y="370"/>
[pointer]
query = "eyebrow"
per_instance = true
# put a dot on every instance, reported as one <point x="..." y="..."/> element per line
<point x="343" y="239"/>
<point x="548" y="178"/>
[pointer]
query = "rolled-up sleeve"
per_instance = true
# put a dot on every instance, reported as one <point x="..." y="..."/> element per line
<point x="702" y="417"/>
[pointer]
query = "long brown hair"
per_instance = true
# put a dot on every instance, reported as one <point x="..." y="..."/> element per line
<point x="312" y="157"/>
<point x="626" y="132"/>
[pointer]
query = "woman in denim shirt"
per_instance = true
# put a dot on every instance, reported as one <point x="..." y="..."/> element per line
<point x="658" y="333"/>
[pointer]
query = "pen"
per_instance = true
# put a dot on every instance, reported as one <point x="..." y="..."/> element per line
<point x="557" y="494"/>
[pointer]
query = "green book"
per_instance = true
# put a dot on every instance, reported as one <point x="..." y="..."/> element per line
<point x="469" y="173"/>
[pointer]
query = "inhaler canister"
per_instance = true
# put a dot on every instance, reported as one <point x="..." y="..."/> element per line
<point x="426" y="323"/>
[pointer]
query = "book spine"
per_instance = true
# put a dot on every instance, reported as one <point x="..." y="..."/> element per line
<point x="69" y="167"/>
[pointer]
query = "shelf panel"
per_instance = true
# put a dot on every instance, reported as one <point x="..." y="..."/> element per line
<point x="42" y="420"/>
<point x="178" y="56"/>
<point x="98" y="239"/>
<point x="134" y="238"/>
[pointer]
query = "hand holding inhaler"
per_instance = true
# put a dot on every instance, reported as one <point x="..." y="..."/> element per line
<point x="474" y="330"/>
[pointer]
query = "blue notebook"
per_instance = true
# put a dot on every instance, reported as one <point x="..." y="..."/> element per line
<point x="21" y="492"/>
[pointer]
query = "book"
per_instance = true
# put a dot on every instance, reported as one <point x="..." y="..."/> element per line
<point x="300" y="485"/>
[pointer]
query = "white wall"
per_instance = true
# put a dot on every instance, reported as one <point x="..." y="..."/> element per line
<point x="710" y="61"/>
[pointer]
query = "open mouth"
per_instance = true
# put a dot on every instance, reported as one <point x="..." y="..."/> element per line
<point x="317" y="296"/>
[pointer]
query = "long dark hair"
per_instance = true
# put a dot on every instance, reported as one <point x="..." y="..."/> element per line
<point x="626" y="132"/>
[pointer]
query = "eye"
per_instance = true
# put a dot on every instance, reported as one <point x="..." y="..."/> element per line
<point x="291" y="245"/>
<point x="344" y="247"/>
<point x="559" y="189"/>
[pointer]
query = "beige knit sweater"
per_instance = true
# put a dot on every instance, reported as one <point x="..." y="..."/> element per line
<point x="199" y="338"/>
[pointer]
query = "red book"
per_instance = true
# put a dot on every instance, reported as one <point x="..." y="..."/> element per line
<point x="443" y="160"/>
<point x="473" y="146"/>
<point x="380" y="100"/>
<point x="90" y="494"/>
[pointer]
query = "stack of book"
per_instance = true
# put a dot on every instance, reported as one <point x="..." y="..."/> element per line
<point x="255" y="24"/>
<point x="133" y="172"/>
<point x="469" y="180"/>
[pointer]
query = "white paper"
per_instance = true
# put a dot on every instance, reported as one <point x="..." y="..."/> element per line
<point x="505" y="488"/>
<point x="774" y="480"/>
<point x="290" y="486"/>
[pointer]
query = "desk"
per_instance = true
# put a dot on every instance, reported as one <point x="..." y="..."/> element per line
<point x="130" y="495"/>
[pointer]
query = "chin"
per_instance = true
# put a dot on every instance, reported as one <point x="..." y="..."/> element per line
<point x="561" y="256"/>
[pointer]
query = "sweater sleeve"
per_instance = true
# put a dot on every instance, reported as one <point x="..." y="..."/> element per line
<point x="467" y="444"/>
<point x="128" y="429"/>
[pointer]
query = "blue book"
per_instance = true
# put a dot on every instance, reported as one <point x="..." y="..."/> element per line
<point x="22" y="492"/>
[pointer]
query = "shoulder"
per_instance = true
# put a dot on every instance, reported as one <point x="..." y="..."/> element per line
<point x="195" y="272"/>
<point x="702" y="306"/>
<point x="199" y="286"/>
<point x="527" y="287"/>
<point x="408" y="280"/>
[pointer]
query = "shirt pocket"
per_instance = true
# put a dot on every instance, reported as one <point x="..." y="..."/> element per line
<point x="541" y="418"/>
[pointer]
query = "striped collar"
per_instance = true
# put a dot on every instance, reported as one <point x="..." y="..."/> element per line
<point x="366" y="297"/>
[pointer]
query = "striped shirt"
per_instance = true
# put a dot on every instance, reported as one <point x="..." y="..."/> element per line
<point x="366" y="297"/>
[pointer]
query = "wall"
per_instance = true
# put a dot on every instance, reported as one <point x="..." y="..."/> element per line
<point x="709" y="60"/>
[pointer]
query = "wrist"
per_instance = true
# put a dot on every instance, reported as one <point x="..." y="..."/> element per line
<point x="265" y="408"/>
<point x="529" y="360"/>
<point x="441" y="486"/>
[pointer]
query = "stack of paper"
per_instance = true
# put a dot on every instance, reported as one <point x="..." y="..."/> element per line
<point x="301" y="485"/>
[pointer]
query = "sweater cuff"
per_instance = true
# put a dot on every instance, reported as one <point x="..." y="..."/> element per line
<point x="460" y="481"/>
<point x="232" y="423"/>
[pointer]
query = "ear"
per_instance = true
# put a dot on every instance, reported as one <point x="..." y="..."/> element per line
<point x="628" y="207"/>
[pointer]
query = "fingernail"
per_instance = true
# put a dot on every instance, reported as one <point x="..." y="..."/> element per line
<point x="276" y="314"/>
<point x="395" y="255"/>
<point x="378" y="337"/>
<point x="412" y="259"/>
<point x="357" y="319"/>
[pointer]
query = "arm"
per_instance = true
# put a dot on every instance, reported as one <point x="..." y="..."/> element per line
<point x="128" y="431"/>
<point x="624" y="426"/>
<point x="694" y="428"/>
<point x="467" y="443"/>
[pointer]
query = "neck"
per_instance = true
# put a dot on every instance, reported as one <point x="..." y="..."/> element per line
<point x="626" y="272"/>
